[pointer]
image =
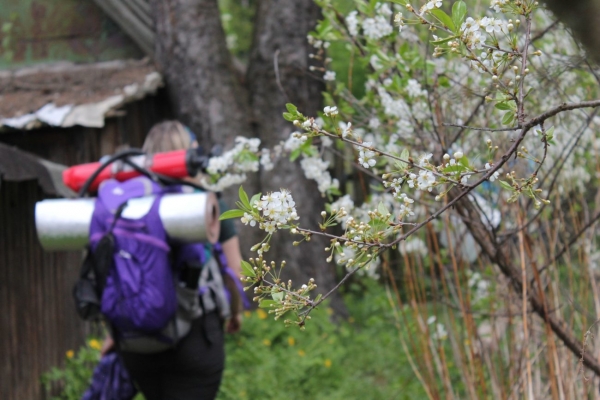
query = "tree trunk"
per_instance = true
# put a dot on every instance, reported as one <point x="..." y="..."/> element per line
<point x="278" y="74"/>
<point x="192" y="54"/>
<point x="193" y="57"/>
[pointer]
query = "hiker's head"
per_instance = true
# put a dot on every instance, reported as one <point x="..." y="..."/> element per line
<point x="168" y="136"/>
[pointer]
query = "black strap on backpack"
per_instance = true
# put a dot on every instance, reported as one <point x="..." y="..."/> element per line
<point x="96" y="266"/>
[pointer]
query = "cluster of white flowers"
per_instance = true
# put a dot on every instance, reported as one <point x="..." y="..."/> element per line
<point x="413" y="88"/>
<point x="374" y="123"/>
<point x="492" y="25"/>
<point x="294" y="141"/>
<point x="471" y="34"/>
<point x="265" y="159"/>
<point x="316" y="168"/>
<point x="393" y="107"/>
<point x="352" y="23"/>
<point x="405" y="209"/>
<point x="366" y="157"/>
<point x="480" y="285"/>
<point x="424" y="181"/>
<point x="225" y="181"/>
<point x="373" y="28"/>
<point x="376" y="28"/>
<point x="278" y="208"/>
<point x="229" y="161"/>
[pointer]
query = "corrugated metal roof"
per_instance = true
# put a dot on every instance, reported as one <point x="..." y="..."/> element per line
<point x="67" y="94"/>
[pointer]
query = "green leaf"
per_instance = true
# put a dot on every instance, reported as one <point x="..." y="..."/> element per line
<point x="506" y="185"/>
<point x="459" y="12"/>
<point x="247" y="269"/>
<point x="267" y="303"/>
<point x="231" y="214"/>
<point x="255" y="199"/>
<point x="503" y="106"/>
<point x="244" y="197"/>
<point x="381" y="208"/>
<point x="291" y="108"/>
<point x="508" y="118"/>
<point x="295" y="154"/>
<point x="444" y="18"/>
<point x="277" y="296"/>
<point x="454" y="168"/>
<point x="464" y="161"/>
<point x="289" y="117"/>
<point x="404" y="156"/>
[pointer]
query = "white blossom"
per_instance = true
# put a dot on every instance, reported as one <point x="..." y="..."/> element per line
<point x="377" y="27"/>
<point x="330" y="111"/>
<point x="374" y="123"/>
<point x="277" y="208"/>
<point x="316" y="168"/>
<point x="352" y="23"/>
<point x="329" y="76"/>
<point x="366" y="157"/>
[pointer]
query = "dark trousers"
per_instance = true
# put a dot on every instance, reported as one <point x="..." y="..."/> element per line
<point x="192" y="370"/>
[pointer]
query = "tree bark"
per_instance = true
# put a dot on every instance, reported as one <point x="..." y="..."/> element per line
<point x="192" y="54"/>
<point x="583" y="18"/>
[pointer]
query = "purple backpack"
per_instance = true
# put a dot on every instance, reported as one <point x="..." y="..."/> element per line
<point x="139" y="298"/>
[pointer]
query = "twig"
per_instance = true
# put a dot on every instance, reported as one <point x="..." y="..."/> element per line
<point x="276" y="67"/>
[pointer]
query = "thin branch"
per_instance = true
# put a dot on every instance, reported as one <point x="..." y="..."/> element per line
<point x="277" y="79"/>
<point x="474" y="128"/>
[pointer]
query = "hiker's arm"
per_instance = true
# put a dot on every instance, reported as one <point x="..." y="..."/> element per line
<point x="231" y="249"/>
<point x="107" y="345"/>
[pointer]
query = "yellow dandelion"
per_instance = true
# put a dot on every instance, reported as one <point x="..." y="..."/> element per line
<point x="301" y="353"/>
<point x="267" y="342"/>
<point x="262" y="314"/>
<point x="329" y="311"/>
<point x="351" y="320"/>
<point x="70" y="354"/>
<point x="291" y="341"/>
<point x="327" y="363"/>
<point x="95" y="344"/>
<point x="247" y="314"/>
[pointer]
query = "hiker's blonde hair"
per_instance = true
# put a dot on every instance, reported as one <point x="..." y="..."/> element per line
<point x="167" y="136"/>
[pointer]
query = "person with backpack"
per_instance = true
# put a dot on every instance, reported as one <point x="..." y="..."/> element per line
<point x="190" y="366"/>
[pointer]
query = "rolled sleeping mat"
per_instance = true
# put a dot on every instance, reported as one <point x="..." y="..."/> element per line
<point x="64" y="224"/>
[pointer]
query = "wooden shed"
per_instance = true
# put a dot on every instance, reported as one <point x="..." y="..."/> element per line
<point x="36" y="310"/>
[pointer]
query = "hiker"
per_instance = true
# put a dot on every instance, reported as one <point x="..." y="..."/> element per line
<point x="193" y="368"/>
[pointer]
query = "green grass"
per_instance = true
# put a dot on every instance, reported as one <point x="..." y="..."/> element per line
<point x="360" y="358"/>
